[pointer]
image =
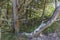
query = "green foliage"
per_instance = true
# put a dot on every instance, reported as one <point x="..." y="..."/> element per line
<point x="49" y="10"/>
<point x="36" y="14"/>
<point x="35" y="11"/>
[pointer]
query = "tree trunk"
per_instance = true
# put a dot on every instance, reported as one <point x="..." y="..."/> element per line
<point x="15" y="21"/>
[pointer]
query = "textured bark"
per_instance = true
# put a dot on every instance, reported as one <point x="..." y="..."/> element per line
<point x="15" y="22"/>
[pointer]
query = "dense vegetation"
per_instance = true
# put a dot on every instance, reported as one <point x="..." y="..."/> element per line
<point x="29" y="17"/>
<point x="34" y="14"/>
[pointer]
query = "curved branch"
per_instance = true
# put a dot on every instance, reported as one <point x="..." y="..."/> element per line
<point x="44" y="25"/>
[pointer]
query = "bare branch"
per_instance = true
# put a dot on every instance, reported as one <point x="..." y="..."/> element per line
<point x="44" y="25"/>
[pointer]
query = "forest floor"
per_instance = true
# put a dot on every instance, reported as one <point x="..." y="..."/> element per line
<point x="51" y="36"/>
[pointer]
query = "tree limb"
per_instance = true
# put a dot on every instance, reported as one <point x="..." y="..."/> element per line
<point x="44" y="25"/>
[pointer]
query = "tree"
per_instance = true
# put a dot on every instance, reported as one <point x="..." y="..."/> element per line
<point x="20" y="8"/>
<point x="45" y="25"/>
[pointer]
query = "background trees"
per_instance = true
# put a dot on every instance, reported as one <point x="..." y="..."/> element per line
<point x="25" y="15"/>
